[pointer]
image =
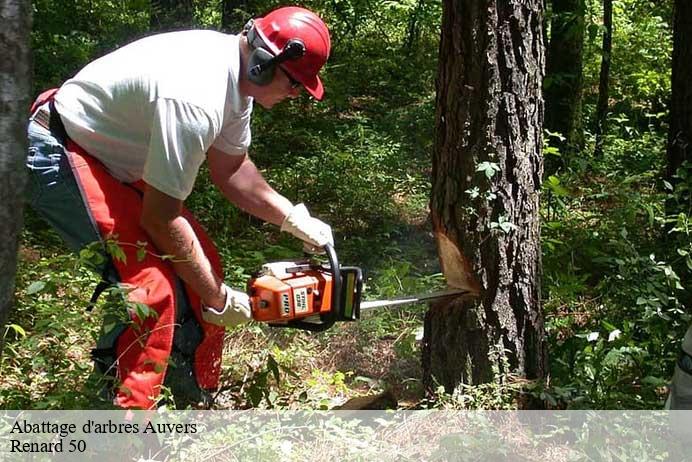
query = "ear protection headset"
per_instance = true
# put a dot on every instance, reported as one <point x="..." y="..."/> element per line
<point x="262" y="63"/>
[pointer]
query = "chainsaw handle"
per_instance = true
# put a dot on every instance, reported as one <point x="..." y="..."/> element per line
<point x="336" y="281"/>
<point x="331" y="317"/>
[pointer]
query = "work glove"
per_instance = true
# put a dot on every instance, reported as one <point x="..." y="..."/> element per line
<point x="313" y="232"/>
<point x="236" y="311"/>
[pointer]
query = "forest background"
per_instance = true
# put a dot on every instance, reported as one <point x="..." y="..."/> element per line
<point x="614" y="260"/>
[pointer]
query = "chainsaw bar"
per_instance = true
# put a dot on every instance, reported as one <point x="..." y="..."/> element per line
<point x="377" y="304"/>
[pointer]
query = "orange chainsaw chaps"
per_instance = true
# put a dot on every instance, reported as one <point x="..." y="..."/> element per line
<point x="208" y="355"/>
<point x="144" y="348"/>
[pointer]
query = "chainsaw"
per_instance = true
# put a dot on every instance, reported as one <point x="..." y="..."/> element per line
<point x="312" y="296"/>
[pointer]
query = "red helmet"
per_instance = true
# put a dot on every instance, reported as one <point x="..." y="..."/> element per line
<point x="282" y="25"/>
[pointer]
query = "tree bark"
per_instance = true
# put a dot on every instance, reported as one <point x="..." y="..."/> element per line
<point x="680" y="125"/>
<point x="15" y="74"/>
<point x="602" y="106"/>
<point x="563" y="82"/>
<point x="487" y="168"/>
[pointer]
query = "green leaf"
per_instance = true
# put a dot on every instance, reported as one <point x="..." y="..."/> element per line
<point x="507" y="226"/>
<point x="553" y="183"/>
<point x="35" y="287"/>
<point x="18" y="329"/>
<point x="655" y="381"/>
<point x="473" y="192"/>
<point x="552" y="151"/>
<point x="274" y="368"/>
<point x="650" y="214"/>
<point x="608" y="326"/>
<point x="110" y="322"/>
<point x="489" y="168"/>
<point x="555" y="135"/>
<point x="141" y="253"/>
<point x="157" y="366"/>
<point x="143" y="311"/>
<point x="116" y="251"/>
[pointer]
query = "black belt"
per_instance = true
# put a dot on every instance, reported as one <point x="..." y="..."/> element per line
<point x="47" y="117"/>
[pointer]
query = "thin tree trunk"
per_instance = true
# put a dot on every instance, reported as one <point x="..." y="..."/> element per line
<point x="15" y="74"/>
<point x="680" y="124"/>
<point x="413" y="33"/>
<point x="602" y="107"/>
<point x="563" y="82"/>
<point x="170" y="15"/>
<point x="487" y="167"/>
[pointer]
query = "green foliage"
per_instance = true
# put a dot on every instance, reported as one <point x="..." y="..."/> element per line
<point x="641" y="57"/>
<point x="67" y="34"/>
<point x="617" y="250"/>
<point x="46" y="364"/>
<point x="614" y="263"/>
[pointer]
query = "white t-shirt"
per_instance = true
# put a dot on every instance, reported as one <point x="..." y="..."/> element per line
<point x="151" y="109"/>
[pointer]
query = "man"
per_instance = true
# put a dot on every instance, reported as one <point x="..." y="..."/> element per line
<point x="680" y="395"/>
<point x="115" y="152"/>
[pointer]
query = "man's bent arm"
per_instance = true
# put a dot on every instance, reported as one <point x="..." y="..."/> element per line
<point x="242" y="184"/>
<point x="172" y="234"/>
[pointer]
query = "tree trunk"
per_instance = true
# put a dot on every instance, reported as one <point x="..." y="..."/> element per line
<point x="563" y="82"/>
<point x="487" y="167"/>
<point x="234" y="15"/>
<point x="602" y="106"/>
<point x="170" y="15"/>
<point x="15" y="74"/>
<point x="413" y="34"/>
<point x="680" y="130"/>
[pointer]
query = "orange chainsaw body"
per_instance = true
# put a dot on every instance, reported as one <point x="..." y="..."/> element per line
<point x="291" y="291"/>
<point x="306" y="295"/>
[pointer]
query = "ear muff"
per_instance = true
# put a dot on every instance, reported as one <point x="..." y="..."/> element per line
<point x="260" y="68"/>
<point x="262" y="64"/>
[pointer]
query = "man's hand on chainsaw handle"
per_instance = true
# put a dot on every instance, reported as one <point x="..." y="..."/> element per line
<point x="235" y="312"/>
<point x="313" y="232"/>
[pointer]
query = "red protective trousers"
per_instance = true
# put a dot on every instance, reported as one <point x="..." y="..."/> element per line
<point x="144" y="348"/>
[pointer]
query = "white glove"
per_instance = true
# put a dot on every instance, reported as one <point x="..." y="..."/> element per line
<point x="315" y="233"/>
<point x="236" y="311"/>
